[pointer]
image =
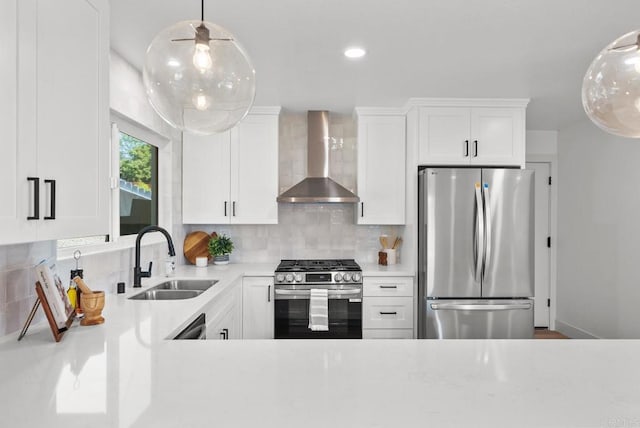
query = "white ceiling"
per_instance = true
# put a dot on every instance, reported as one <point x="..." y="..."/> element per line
<point x="538" y="49"/>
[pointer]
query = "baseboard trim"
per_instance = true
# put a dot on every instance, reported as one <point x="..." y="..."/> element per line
<point x="573" y="332"/>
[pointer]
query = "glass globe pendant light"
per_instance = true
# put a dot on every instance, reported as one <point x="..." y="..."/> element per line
<point x="611" y="87"/>
<point x="198" y="78"/>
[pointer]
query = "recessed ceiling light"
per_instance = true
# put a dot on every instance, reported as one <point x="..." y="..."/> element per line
<point x="354" y="52"/>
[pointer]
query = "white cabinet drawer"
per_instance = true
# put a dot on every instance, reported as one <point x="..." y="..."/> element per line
<point x="387" y="333"/>
<point x="388" y="286"/>
<point x="387" y="312"/>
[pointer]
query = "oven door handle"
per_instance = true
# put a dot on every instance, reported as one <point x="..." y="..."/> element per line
<point x="356" y="292"/>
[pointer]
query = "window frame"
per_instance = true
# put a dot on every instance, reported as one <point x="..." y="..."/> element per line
<point x="120" y="122"/>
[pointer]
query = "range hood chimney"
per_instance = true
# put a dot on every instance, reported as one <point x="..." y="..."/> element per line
<point x="318" y="187"/>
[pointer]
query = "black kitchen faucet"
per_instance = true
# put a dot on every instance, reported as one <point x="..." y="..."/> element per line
<point x="138" y="273"/>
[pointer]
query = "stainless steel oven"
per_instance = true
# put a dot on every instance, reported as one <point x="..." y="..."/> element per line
<point x="294" y="281"/>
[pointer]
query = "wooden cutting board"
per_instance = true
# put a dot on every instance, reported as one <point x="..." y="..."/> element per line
<point x="196" y="244"/>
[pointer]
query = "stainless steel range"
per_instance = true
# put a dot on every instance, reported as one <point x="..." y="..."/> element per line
<point x="294" y="280"/>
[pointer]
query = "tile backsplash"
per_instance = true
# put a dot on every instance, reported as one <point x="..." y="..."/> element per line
<point x="309" y="230"/>
<point x="17" y="282"/>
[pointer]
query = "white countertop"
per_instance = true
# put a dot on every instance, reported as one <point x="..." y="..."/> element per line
<point x="123" y="374"/>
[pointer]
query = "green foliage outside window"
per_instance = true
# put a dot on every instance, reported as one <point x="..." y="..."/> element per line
<point x="135" y="161"/>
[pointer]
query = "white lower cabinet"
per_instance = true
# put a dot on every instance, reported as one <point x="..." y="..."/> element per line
<point x="257" y="307"/>
<point x="224" y="316"/>
<point x="387" y="308"/>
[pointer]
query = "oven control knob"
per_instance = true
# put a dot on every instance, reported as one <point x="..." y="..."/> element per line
<point x="357" y="277"/>
<point x="338" y="277"/>
<point x="347" y="277"/>
<point x="289" y="277"/>
<point x="298" y="277"/>
<point x="279" y="277"/>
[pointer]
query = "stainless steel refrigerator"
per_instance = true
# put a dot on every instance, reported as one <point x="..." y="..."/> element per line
<point x="475" y="249"/>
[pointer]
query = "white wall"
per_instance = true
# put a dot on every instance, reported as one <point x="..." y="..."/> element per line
<point x="599" y="233"/>
<point x="541" y="143"/>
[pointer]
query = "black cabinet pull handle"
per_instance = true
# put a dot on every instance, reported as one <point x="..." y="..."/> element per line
<point x="475" y="145"/>
<point x="466" y="148"/>
<point x="36" y="198"/>
<point x="225" y="208"/>
<point x="388" y="286"/>
<point x="388" y="313"/>
<point x="233" y="208"/>
<point x="52" y="215"/>
<point x="361" y="209"/>
<point x="269" y="293"/>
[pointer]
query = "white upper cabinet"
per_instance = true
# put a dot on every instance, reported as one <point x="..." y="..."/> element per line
<point x="381" y="167"/>
<point x="471" y="132"/>
<point x="254" y="178"/>
<point x="16" y="193"/>
<point x="206" y="178"/>
<point x="232" y="177"/>
<point x="55" y="158"/>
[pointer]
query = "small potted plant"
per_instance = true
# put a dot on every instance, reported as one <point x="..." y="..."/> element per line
<point x="220" y="246"/>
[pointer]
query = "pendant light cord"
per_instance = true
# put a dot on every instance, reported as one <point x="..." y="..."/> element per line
<point x="202" y="11"/>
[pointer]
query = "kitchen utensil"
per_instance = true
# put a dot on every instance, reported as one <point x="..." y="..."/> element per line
<point x="384" y="241"/>
<point x="196" y="244"/>
<point x="92" y="304"/>
<point x="84" y="288"/>
<point x="396" y="243"/>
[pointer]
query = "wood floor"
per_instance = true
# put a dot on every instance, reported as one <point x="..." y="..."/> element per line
<point x="545" y="333"/>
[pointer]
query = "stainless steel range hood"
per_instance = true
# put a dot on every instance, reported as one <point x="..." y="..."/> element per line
<point x="318" y="187"/>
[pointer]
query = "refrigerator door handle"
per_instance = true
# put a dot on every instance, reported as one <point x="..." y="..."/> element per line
<point x="478" y="307"/>
<point x="487" y="220"/>
<point x="480" y="234"/>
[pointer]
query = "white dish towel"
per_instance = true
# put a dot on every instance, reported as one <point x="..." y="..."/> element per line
<point x="319" y="310"/>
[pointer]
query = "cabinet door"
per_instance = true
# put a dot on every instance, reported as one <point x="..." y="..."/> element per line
<point x="254" y="173"/>
<point x="224" y="317"/>
<point x="205" y="178"/>
<point x="72" y="117"/>
<point x="257" y="308"/>
<point x="18" y="156"/>
<point x="444" y="135"/>
<point x="381" y="169"/>
<point x="497" y="136"/>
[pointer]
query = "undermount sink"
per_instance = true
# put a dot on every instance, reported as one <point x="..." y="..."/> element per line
<point x="176" y="289"/>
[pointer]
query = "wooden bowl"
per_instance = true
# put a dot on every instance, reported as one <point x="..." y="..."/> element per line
<point x="92" y="305"/>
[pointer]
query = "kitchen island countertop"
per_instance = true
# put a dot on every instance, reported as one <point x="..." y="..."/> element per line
<point x="125" y="374"/>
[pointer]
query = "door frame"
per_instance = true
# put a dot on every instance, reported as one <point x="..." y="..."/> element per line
<point x="552" y="160"/>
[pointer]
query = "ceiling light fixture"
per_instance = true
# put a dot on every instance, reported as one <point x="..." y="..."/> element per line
<point x="198" y="78"/>
<point x="611" y="87"/>
<point x="354" y="52"/>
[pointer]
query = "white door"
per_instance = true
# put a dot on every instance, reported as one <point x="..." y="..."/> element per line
<point x="257" y="308"/>
<point x="18" y="157"/>
<point x="205" y="178"/>
<point x="445" y="135"/>
<point x="542" y="251"/>
<point x="381" y="166"/>
<point x="254" y="171"/>
<point x="72" y="117"/>
<point x="495" y="134"/>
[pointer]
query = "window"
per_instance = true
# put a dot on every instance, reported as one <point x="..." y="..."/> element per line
<point x="138" y="154"/>
<point x="138" y="184"/>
